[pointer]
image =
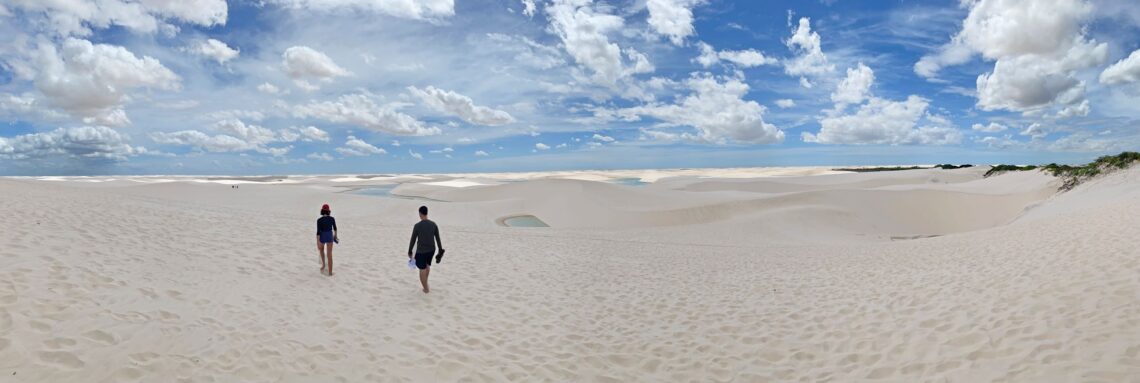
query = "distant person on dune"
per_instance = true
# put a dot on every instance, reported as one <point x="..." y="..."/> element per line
<point x="326" y="237"/>
<point x="426" y="235"/>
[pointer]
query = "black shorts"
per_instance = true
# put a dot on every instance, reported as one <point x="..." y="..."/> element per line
<point x="423" y="260"/>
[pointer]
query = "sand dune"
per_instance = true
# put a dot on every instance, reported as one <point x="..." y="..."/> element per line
<point x="689" y="279"/>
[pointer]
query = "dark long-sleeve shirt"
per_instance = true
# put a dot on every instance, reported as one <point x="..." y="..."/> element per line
<point x="425" y="232"/>
<point x="325" y="223"/>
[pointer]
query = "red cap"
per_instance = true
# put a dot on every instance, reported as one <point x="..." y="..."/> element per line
<point x="325" y="207"/>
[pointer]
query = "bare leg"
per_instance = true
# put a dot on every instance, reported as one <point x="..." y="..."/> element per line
<point x="329" y="251"/>
<point x="424" y="277"/>
<point x="321" y="249"/>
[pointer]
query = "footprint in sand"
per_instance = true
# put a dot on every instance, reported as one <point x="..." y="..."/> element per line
<point x="61" y="358"/>
<point x="101" y="337"/>
<point x="58" y="343"/>
<point x="40" y="326"/>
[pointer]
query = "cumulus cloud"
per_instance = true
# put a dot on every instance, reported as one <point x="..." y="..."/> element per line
<point x="319" y="157"/>
<point x="302" y="63"/>
<point x="1037" y="47"/>
<point x="481" y="153"/>
<point x="884" y="122"/>
<point x="528" y="8"/>
<point x="672" y="18"/>
<point x="312" y="133"/>
<point x="599" y="137"/>
<point x="785" y="103"/>
<point x="809" y="59"/>
<point x="993" y="127"/>
<point x="718" y="112"/>
<point x="415" y="155"/>
<point x="77" y="17"/>
<point x="408" y="9"/>
<point x="234" y="136"/>
<point x="268" y="88"/>
<point x="93" y="81"/>
<point x="356" y="147"/>
<point x="583" y="30"/>
<point x="1125" y="71"/>
<point x="541" y="146"/>
<point x="360" y="110"/>
<point x="744" y="58"/>
<point x="84" y="142"/>
<point x="461" y="106"/>
<point x="214" y="49"/>
<point x="853" y="89"/>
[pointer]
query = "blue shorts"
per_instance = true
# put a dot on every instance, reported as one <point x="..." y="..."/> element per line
<point x="327" y="237"/>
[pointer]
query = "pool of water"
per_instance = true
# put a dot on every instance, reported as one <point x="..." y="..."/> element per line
<point x="386" y="191"/>
<point x="629" y="181"/>
<point x="524" y="221"/>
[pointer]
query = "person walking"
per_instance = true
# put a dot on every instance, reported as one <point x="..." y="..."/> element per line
<point x="425" y="240"/>
<point x="326" y="237"/>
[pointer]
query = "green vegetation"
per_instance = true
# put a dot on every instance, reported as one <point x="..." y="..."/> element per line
<point x="897" y="168"/>
<point x="879" y="169"/>
<point x="1074" y="175"/>
<point x="999" y="169"/>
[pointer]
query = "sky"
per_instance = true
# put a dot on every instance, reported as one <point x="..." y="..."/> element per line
<point x="404" y="86"/>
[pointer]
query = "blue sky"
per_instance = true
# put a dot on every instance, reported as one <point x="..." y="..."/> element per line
<point x="405" y="86"/>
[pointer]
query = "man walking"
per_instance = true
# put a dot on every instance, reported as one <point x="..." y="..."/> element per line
<point x="426" y="234"/>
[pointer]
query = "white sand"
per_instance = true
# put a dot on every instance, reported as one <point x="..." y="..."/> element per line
<point x="697" y="277"/>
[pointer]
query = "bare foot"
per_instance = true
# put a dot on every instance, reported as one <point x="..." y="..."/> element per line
<point x="330" y="273"/>
<point x="426" y="290"/>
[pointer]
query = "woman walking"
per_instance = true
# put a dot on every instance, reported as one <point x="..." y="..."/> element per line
<point x="326" y="237"/>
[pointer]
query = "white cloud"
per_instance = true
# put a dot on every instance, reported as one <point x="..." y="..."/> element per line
<point x="1074" y="110"/>
<point x="408" y="9"/>
<point x="415" y="155"/>
<point x="884" y="122"/>
<point x="541" y="146"/>
<point x="785" y="103"/>
<point x="234" y="136"/>
<point x="268" y="88"/>
<point x="460" y="106"/>
<point x="360" y="110"/>
<point x="319" y="157"/>
<point x="312" y="133"/>
<point x="356" y="147"/>
<point x="1125" y="71"/>
<point x="672" y="18"/>
<point x="1004" y="142"/>
<point x="747" y="58"/>
<point x="809" y="60"/>
<point x="93" y="81"/>
<point x="953" y="53"/>
<point x="214" y="49"/>
<point x="599" y="137"/>
<point x="583" y="30"/>
<point x="528" y="8"/>
<point x="1037" y="47"/>
<point x="84" y="142"/>
<point x="993" y="127"/>
<point x="1036" y="131"/>
<point x="301" y="63"/>
<point x="481" y="153"/>
<point x="203" y="141"/>
<point x="396" y="143"/>
<point x="77" y="17"/>
<point x="854" y="88"/>
<point x="717" y="110"/>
